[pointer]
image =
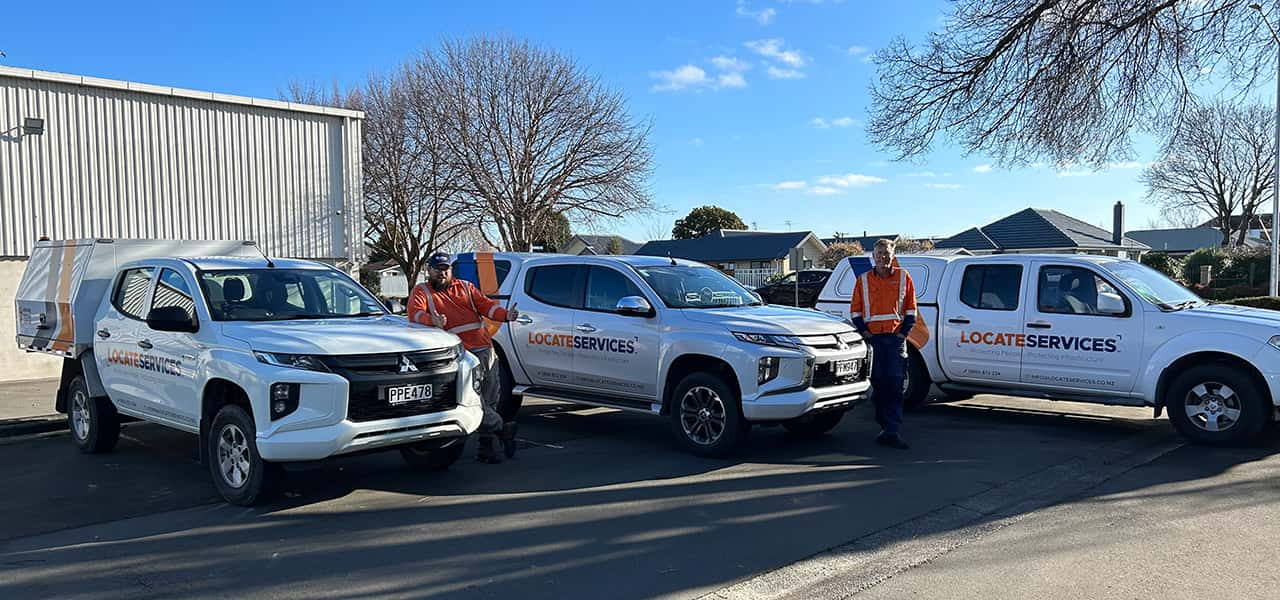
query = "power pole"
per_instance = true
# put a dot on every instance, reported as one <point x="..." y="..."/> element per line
<point x="788" y="225"/>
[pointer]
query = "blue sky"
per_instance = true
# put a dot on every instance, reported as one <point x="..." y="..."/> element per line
<point x="756" y="106"/>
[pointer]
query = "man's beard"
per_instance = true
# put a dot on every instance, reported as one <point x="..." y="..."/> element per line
<point x="441" y="285"/>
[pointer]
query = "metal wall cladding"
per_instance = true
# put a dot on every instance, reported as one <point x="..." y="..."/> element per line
<point x="120" y="160"/>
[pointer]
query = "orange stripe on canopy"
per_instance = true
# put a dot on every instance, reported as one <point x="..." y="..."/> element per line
<point x="487" y="273"/>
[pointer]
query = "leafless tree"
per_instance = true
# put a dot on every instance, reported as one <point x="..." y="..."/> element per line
<point x="414" y="200"/>
<point x="1062" y="80"/>
<point x="1219" y="164"/>
<point x="311" y="92"/>
<point x="534" y="135"/>
<point x="1176" y="218"/>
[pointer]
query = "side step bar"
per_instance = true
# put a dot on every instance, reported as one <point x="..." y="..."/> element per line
<point x="1042" y="395"/>
<point x="577" y="397"/>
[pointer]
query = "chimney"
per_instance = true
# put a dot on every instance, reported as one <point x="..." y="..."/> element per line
<point x="1117" y="228"/>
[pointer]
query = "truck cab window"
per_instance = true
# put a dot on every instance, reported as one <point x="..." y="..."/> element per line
<point x="1071" y="290"/>
<point x="991" y="287"/>
<point x="606" y="287"/>
<point x="557" y="285"/>
<point x="172" y="290"/>
<point x="131" y="292"/>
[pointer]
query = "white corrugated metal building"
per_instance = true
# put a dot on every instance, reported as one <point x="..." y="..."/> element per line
<point x="82" y="157"/>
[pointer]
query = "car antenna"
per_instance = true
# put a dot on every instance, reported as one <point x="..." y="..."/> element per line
<point x="270" y="265"/>
<point x="673" y="261"/>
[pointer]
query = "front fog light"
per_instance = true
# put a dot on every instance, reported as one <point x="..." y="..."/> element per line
<point x="284" y="399"/>
<point x="768" y="369"/>
<point x="476" y="382"/>
<point x="808" y="370"/>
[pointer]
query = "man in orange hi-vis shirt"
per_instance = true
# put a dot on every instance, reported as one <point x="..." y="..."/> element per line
<point x="456" y="306"/>
<point x="883" y="310"/>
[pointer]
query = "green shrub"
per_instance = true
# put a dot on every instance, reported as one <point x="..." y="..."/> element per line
<point x="1214" y="257"/>
<point x="1267" y="302"/>
<point x="1170" y="266"/>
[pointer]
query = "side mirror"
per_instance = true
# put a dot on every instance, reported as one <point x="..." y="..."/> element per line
<point x="393" y="306"/>
<point x="634" y="306"/>
<point x="1110" y="304"/>
<point x="172" y="318"/>
<point x="758" y="297"/>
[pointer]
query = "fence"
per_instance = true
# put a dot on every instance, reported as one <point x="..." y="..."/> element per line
<point x="754" y="277"/>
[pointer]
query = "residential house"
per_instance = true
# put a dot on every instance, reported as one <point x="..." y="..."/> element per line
<point x="1039" y="230"/>
<point x="1259" y="227"/>
<point x="1178" y="242"/>
<point x="752" y="257"/>
<point x="597" y="244"/>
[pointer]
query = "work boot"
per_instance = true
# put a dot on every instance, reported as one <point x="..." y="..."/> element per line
<point x="509" y="438"/>
<point x="485" y="453"/>
<point x="892" y="440"/>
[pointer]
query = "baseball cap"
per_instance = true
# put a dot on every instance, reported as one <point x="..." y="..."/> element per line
<point x="439" y="259"/>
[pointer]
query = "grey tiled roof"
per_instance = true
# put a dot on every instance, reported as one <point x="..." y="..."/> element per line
<point x="1178" y="240"/>
<point x="728" y="245"/>
<point x="600" y="243"/>
<point x="1037" y="228"/>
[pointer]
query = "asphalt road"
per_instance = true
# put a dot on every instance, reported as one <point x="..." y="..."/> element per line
<point x="599" y="503"/>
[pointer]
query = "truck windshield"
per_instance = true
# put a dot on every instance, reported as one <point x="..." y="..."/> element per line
<point x="283" y="294"/>
<point x="1153" y="285"/>
<point x="695" y="287"/>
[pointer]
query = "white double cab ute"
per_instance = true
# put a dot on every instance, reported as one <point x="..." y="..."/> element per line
<point x="672" y="338"/>
<point x="1087" y="328"/>
<point x="268" y="361"/>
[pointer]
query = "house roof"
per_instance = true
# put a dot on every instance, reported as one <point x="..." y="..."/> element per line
<point x="728" y="245"/>
<point x="599" y="244"/>
<point x="1178" y="240"/>
<point x="1262" y="221"/>
<point x="866" y="241"/>
<point x="1037" y="228"/>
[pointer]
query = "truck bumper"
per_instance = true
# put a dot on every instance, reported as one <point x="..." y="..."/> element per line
<point x="789" y="405"/>
<point x="346" y="437"/>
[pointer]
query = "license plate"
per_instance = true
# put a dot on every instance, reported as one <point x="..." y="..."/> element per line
<point x="846" y="367"/>
<point x="407" y="393"/>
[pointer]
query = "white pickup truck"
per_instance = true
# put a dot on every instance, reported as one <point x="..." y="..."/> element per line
<point x="1086" y="328"/>
<point x="268" y="361"/>
<point x="668" y="337"/>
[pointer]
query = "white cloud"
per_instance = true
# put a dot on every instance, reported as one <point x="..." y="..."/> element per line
<point x="982" y="169"/>
<point x="857" y="50"/>
<point x="943" y="186"/>
<point x="763" y="16"/>
<point x="789" y="185"/>
<point x="678" y="79"/>
<point x="820" y="123"/>
<point x="695" y="142"/>
<point x="730" y="64"/>
<point x="824" y="191"/>
<point x="777" y="73"/>
<point x="731" y="80"/>
<point x="849" y="180"/>
<point x="844" y="122"/>
<point x="824" y="123"/>
<point x="923" y="174"/>
<point x="772" y="49"/>
<point x="1127" y="165"/>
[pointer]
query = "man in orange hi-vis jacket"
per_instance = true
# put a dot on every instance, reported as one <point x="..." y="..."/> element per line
<point x="456" y="306"/>
<point x="883" y="310"/>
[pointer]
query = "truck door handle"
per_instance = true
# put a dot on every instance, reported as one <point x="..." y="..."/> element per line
<point x="958" y="320"/>
<point x="524" y="320"/>
<point x="1039" y="325"/>
<point x="145" y="344"/>
<point x="103" y="333"/>
<point x="586" y="328"/>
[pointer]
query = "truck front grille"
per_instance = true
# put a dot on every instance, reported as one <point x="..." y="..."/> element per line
<point x="367" y="401"/>
<point x="824" y="374"/>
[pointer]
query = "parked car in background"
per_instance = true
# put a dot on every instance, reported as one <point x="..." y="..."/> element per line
<point x="798" y="288"/>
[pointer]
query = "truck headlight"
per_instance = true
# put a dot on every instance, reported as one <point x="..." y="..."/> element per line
<point x="296" y="361"/>
<point x="1274" y="342"/>
<point x="768" y="339"/>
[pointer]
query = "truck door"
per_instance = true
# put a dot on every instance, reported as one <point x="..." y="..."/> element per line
<point x="982" y="324"/>
<point x="116" y="339"/>
<point x="170" y="379"/>
<point x="543" y="336"/>
<point x="618" y="353"/>
<point x="1082" y="331"/>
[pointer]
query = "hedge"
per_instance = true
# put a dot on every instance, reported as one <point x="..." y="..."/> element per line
<point x="1267" y="302"/>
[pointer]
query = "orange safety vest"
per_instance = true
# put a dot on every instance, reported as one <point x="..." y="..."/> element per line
<point x="883" y="302"/>
<point x="463" y="308"/>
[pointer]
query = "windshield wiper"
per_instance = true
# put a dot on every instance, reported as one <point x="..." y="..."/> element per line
<point x="299" y="316"/>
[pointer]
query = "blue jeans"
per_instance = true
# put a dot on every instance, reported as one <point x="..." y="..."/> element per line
<point x="888" y="367"/>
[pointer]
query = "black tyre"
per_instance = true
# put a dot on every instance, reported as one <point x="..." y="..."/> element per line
<point x="916" y="382"/>
<point x="811" y="426"/>
<point x="706" y="415"/>
<point x="238" y="471"/>
<point x="508" y="403"/>
<point x="433" y="456"/>
<point x="94" y="422"/>
<point x="1217" y="404"/>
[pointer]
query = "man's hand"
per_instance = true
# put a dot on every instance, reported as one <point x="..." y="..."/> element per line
<point x="438" y="320"/>
<point x="902" y="336"/>
<point x="512" y="313"/>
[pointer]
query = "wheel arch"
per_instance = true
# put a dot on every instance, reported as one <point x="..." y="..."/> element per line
<point x="1209" y="356"/>
<point x="686" y="364"/>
